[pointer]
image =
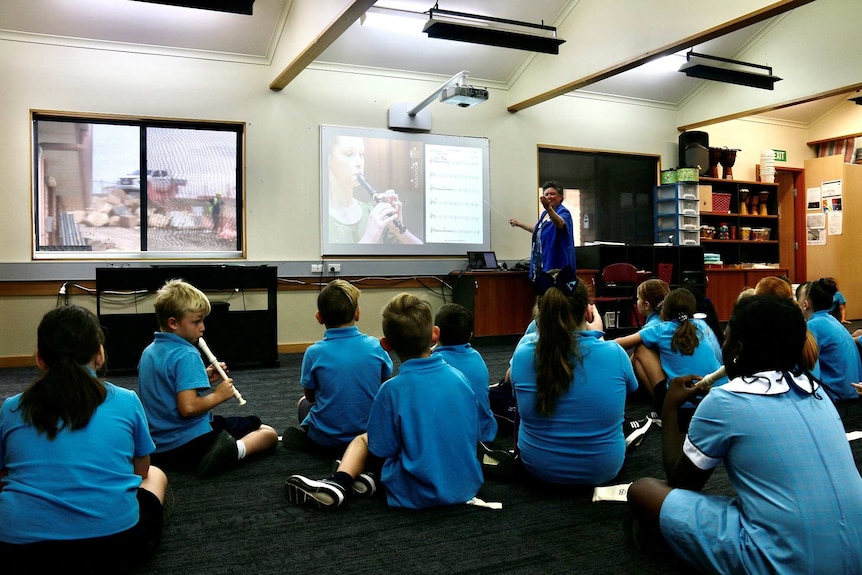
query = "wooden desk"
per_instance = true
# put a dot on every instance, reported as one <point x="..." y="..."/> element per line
<point x="501" y="301"/>
<point x="725" y="284"/>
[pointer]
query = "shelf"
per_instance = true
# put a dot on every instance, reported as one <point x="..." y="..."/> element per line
<point x="746" y="242"/>
<point x="735" y="215"/>
<point x="744" y="183"/>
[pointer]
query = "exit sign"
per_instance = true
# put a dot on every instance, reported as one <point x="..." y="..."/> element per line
<point x="780" y="155"/>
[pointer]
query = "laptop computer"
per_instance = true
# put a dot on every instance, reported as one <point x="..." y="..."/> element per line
<point x="486" y="261"/>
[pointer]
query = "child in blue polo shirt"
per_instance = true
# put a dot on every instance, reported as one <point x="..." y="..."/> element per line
<point x="456" y="328"/>
<point x="422" y="431"/>
<point x="340" y="375"/>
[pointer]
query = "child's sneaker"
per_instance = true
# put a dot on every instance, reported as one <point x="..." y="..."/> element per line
<point x="364" y="485"/>
<point x="222" y="455"/>
<point x="496" y="463"/>
<point x="635" y="431"/>
<point x="324" y="494"/>
<point x="655" y="417"/>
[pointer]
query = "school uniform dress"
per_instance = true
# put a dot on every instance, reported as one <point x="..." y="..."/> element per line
<point x="706" y="358"/>
<point x="798" y="507"/>
<point x="169" y="365"/>
<point x="840" y="364"/>
<point x="552" y="248"/>
<point x="345" y="370"/>
<point x="425" y="424"/>
<point x="582" y="442"/>
<point x="81" y="484"/>
<point x="469" y="362"/>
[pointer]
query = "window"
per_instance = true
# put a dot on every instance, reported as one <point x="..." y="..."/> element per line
<point x="613" y="191"/>
<point x="136" y="188"/>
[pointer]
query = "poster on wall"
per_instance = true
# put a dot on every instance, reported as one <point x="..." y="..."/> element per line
<point x="815" y="223"/>
<point x="812" y="199"/>
<point x="832" y="206"/>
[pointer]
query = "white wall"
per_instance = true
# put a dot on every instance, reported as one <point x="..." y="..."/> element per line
<point x="282" y="171"/>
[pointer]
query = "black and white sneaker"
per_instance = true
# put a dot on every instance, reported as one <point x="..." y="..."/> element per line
<point x="655" y="417"/>
<point x="323" y="494"/>
<point x="365" y="485"/>
<point x="496" y="463"/>
<point x="635" y="430"/>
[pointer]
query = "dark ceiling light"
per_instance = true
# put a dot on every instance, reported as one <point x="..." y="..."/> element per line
<point x="463" y="31"/>
<point x="729" y="75"/>
<point x="233" y="6"/>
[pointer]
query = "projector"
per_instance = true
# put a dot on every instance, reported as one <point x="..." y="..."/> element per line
<point x="463" y="96"/>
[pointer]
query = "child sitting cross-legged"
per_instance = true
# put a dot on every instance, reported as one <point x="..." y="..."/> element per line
<point x="340" y="375"/>
<point x="422" y="431"/>
<point x="177" y="396"/>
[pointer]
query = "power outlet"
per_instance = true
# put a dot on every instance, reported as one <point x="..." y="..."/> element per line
<point x="334" y="268"/>
<point x="317" y="268"/>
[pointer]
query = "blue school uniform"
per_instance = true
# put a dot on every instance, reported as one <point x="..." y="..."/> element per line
<point x="840" y="364"/>
<point x="469" y="362"/>
<point x="706" y="357"/>
<point x="168" y="366"/>
<point x="425" y="424"/>
<point x="798" y="504"/>
<point x="345" y="370"/>
<point x="79" y="485"/>
<point x="582" y="442"/>
<point x="553" y="248"/>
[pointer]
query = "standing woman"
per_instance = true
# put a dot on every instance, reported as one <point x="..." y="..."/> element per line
<point x="553" y="245"/>
<point x="76" y="487"/>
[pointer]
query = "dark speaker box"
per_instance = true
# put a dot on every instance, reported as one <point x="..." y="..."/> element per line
<point x="691" y="138"/>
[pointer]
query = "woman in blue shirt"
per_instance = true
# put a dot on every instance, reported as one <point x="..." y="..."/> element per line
<point x="553" y="246"/>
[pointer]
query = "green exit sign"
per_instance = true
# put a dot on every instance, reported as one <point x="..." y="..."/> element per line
<point x="780" y="155"/>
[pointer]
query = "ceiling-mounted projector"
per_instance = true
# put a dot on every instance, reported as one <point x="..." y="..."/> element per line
<point x="463" y="96"/>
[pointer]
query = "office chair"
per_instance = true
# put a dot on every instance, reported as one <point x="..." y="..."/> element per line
<point x="618" y="291"/>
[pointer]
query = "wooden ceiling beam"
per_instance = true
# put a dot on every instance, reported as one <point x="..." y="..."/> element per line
<point x="717" y="31"/>
<point x="330" y="34"/>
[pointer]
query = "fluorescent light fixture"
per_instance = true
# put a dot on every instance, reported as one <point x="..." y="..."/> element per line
<point x="233" y="6"/>
<point x="473" y="28"/>
<point x="393" y="20"/>
<point x="415" y="118"/>
<point x="727" y="74"/>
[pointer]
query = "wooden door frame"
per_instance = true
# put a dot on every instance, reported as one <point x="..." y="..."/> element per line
<point x="800" y="234"/>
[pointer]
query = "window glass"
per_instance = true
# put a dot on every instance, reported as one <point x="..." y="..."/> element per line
<point x="136" y="189"/>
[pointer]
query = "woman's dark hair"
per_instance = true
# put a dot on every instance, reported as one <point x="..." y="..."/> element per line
<point x="561" y="310"/>
<point x="779" y="349"/>
<point x="681" y="305"/>
<point x="705" y="306"/>
<point x="67" y="395"/>
<point x="555" y="185"/>
<point x="820" y="294"/>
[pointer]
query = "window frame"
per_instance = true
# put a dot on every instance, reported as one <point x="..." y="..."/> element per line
<point x="41" y="251"/>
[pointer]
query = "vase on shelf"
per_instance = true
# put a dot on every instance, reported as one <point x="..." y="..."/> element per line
<point x="743" y="202"/>
<point x="764" y="198"/>
<point x="715" y="160"/>
<point x="728" y="158"/>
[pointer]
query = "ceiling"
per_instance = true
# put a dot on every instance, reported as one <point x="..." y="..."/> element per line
<point x="153" y="28"/>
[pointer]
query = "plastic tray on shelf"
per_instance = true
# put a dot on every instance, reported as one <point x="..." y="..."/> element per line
<point x="667" y="207"/>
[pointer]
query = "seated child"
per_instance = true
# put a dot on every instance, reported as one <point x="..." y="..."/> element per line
<point x="839" y="302"/>
<point x="77" y="491"/>
<point x="647" y="366"/>
<point x="456" y="328"/>
<point x="686" y="345"/>
<point x="840" y="365"/>
<point x="422" y="431"/>
<point x="177" y="396"/>
<point x="340" y="375"/>
<point x="797" y="504"/>
<point x="571" y="389"/>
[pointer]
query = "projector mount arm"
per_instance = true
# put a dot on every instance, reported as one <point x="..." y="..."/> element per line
<point x="459" y="79"/>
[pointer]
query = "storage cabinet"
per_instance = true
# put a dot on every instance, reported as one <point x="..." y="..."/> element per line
<point x="241" y="337"/>
<point x="749" y="237"/>
<point x="501" y="302"/>
<point x="676" y="219"/>
<point x="725" y="285"/>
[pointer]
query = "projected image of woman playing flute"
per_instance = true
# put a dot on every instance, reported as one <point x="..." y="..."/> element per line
<point x="177" y="393"/>
<point x="376" y="218"/>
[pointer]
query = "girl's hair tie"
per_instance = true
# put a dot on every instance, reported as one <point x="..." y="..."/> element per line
<point x="682" y="317"/>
